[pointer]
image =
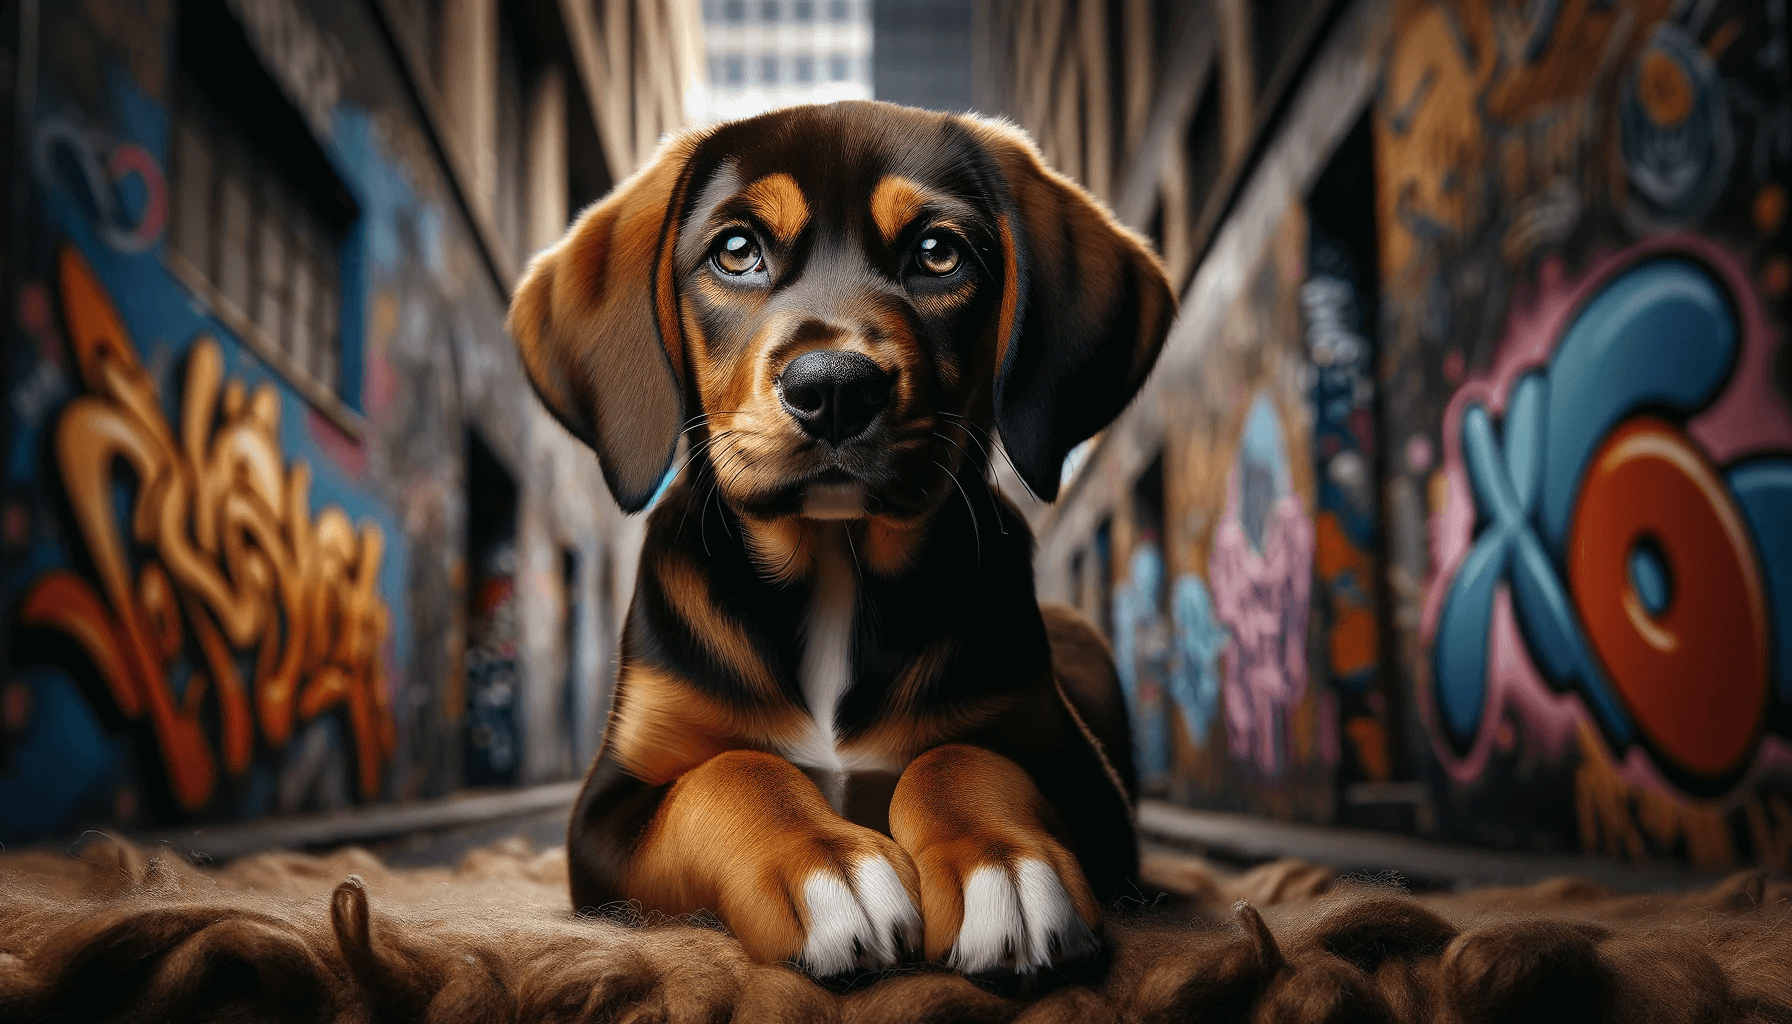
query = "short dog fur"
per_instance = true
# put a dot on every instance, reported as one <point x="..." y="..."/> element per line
<point x="842" y="721"/>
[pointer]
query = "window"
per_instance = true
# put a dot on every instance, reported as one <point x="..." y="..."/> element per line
<point x="768" y="69"/>
<point x="1205" y="142"/>
<point x="736" y="70"/>
<point x="839" y="67"/>
<point x="507" y="203"/>
<point x="1103" y="547"/>
<point x="768" y="11"/>
<point x="1148" y="520"/>
<point x="805" y="69"/>
<point x="804" y="10"/>
<point x="258" y="216"/>
<point x="1273" y="28"/>
<point x="734" y="10"/>
<point x="837" y="9"/>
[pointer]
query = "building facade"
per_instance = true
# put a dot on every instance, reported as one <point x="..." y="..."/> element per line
<point x="774" y="53"/>
<point x="1461" y="499"/>
<point x="284" y="528"/>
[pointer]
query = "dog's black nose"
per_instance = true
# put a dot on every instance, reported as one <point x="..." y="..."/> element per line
<point x="834" y="395"/>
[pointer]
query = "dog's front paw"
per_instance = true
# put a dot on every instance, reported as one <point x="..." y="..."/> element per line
<point x="858" y="917"/>
<point x="998" y="911"/>
<point x="831" y="898"/>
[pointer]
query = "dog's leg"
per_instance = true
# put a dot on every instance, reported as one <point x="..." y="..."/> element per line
<point x="999" y="889"/>
<point x="748" y="835"/>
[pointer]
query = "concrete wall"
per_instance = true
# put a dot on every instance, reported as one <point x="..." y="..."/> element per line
<point x="1514" y="568"/>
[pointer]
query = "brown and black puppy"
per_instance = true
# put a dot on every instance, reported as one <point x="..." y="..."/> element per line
<point x="842" y="721"/>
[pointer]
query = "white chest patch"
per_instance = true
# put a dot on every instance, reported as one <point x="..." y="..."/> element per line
<point x="825" y="672"/>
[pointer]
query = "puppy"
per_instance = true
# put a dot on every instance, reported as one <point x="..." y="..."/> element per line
<point x="842" y="721"/>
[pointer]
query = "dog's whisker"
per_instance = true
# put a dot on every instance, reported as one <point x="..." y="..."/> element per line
<point x="694" y="420"/>
<point x="976" y="531"/>
<point x="967" y="424"/>
<point x="715" y="486"/>
<point x="725" y="438"/>
<point x="987" y="490"/>
<point x="870" y="602"/>
<point x="695" y="450"/>
<point x="999" y="450"/>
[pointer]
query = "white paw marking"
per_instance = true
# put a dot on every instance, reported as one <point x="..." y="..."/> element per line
<point x="869" y="925"/>
<point x="1020" y="923"/>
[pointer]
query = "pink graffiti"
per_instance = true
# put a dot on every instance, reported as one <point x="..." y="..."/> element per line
<point x="1262" y="598"/>
<point x="1745" y="418"/>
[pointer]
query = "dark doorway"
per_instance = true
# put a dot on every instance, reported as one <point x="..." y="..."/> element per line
<point x="1339" y="307"/>
<point x="493" y="744"/>
<point x="573" y="688"/>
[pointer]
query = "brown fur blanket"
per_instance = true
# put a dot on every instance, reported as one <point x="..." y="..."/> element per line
<point x="114" y="932"/>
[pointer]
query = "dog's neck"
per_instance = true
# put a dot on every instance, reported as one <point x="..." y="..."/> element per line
<point x="789" y="549"/>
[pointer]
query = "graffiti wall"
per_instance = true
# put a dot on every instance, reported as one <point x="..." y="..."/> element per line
<point x="1478" y="495"/>
<point x="1214" y="553"/>
<point x="1585" y="254"/>
<point x="233" y="575"/>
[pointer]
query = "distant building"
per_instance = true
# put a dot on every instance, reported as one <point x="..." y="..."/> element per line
<point x="921" y="53"/>
<point x="1458" y="502"/>
<point x="773" y="53"/>
<point x="282" y="525"/>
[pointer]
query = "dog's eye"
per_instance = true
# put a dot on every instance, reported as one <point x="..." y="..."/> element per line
<point x="738" y="254"/>
<point x="936" y="256"/>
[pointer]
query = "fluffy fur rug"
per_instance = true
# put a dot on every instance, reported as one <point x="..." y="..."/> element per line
<point x="115" y="932"/>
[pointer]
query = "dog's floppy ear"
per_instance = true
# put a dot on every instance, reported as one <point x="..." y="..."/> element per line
<point x="596" y="320"/>
<point x="1085" y="307"/>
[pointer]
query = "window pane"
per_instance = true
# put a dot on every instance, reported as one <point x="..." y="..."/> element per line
<point x="837" y="9"/>
<point x="768" y="11"/>
<point x="838" y="67"/>
<point x="805" y="69"/>
<point x="737" y="70"/>
<point x="768" y="70"/>
<point x="192" y="194"/>
<point x="804" y="10"/>
<point x="270" y="267"/>
<point x="298" y="334"/>
<point x="329" y="342"/>
<point x="231" y="273"/>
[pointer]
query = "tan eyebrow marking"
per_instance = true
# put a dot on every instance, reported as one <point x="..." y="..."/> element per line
<point x="778" y="201"/>
<point x="895" y="202"/>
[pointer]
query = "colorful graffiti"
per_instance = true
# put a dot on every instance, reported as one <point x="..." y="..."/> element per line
<point x="1194" y="666"/>
<point x="1614" y="549"/>
<point x="1618" y="818"/>
<point x="1343" y="398"/>
<point x="1142" y="659"/>
<point x="1674" y="138"/>
<point x="120" y="187"/>
<point x="206" y="541"/>
<point x="1260" y="570"/>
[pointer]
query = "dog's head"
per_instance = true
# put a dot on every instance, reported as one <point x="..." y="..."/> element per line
<point x="837" y="299"/>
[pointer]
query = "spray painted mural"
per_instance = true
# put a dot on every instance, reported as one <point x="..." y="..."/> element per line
<point x="1479" y="497"/>
<point x="1585" y="255"/>
<point x="1631" y="470"/>
<point x="230" y="560"/>
<point x="1261" y="571"/>
<point x="209" y="582"/>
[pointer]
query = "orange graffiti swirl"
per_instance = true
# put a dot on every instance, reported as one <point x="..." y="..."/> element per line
<point x="236" y="561"/>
